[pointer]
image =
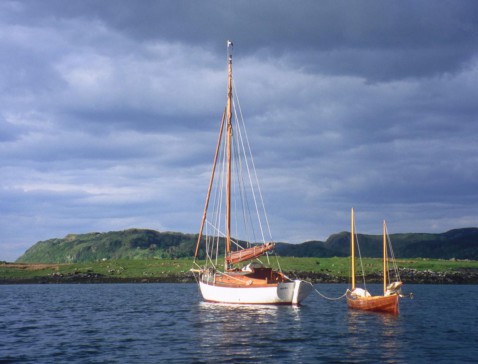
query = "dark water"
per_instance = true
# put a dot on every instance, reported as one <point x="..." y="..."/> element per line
<point x="158" y="323"/>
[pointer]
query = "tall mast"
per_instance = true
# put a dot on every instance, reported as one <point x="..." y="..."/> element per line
<point x="384" y="257"/>
<point x="228" y="146"/>
<point x="352" y="246"/>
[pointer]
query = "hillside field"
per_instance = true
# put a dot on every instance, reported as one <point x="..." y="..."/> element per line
<point x="178" y="269"/>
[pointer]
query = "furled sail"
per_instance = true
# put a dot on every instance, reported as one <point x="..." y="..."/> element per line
<point x="249" y="253"/>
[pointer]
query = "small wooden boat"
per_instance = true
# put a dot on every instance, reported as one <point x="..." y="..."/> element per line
<point x="360" y="298"/>
<point x="235" y="189"/>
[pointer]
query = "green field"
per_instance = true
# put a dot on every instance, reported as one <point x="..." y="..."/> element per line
<point x="161" y="268"/>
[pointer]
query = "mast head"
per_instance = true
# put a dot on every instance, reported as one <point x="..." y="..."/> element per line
<point x="230" y="47"/>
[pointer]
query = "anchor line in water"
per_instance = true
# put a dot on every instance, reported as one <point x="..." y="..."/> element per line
<point x="328" y="298"/>
<point x="409" y="295"/>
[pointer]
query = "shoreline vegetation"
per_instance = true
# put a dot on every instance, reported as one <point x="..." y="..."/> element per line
<point x="315" y="270"/>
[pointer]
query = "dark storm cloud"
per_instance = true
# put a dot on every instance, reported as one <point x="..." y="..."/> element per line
<point x="109" y="109"/>
<point x="374" y="40"/>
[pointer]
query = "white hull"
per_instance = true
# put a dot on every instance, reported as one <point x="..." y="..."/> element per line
<point x="291" y="293"/>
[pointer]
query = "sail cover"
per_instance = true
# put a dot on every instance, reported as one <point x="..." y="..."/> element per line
<point x="248" y="254"/>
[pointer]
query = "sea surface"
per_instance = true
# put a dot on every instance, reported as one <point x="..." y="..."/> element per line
<point x="169" y="323"/>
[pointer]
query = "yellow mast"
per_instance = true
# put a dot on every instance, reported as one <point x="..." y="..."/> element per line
<point x="352" y="246"/>
<point x="384" y="258"/>
<point x="228" y="146"/>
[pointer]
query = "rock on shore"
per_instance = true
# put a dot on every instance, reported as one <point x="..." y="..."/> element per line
<point x="408" y="275"/>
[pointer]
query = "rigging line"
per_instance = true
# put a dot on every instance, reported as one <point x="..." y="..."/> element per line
<point x="246" y="209"/>
<point x="240" y="186"/>
<point x="219" y="195"/>
<point x="208" y="257"/>
<point x="197" y="265"/>
<point x="211" y="181"/>
<point x="247" y="204"/>
<point x="253" y="164"/>
<point x="214" y="216"/>
<point x="249" y="151"/>
<point x="241" y="155"/>
<point x="234" y="189"/>
<point x="360" y="256"/>
<point x="214" y="181"/>
<point x="253" y="188"/>
<point x="210" y="240"/>
<point x="218" y="203"/>
<point x="390" y="252"/>
<point x="278" y="263"/>
<point x="221" y="234"/>
<point x="211" y="261"/>
<point x="394" y="262"/>
<point x="237" y="191"/>
<point x="392" y="255"/>
<point x="246" y="157"/>
<point x="248" y="169"/>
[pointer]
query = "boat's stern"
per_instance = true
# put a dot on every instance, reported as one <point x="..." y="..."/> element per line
<point x="294" y="292"/>
<point x="301" y="291"/>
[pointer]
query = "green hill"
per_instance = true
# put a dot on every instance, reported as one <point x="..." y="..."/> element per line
<point x="127" y="244"/>
<point x="145" y="244"/>
<point x="457" y="243"/>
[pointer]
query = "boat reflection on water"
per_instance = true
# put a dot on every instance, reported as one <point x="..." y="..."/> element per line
<point x="238" y="331"/>
<point x="236" y="317"/>
<point x="374" y="332"/>
<point x="235" y="314"/>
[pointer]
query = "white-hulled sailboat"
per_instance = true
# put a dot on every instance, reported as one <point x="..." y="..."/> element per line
<point x="233" y="188"/>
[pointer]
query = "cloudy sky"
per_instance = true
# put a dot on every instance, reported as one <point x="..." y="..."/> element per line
<point x="109" y="113"/>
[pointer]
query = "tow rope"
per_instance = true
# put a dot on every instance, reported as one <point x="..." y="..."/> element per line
<point x="328" y="298"/>
<point x="410" y="295"/>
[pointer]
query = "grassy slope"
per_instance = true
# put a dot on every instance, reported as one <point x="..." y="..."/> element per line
<point x="157" y="268"/>
<point x="144" y="244"/>
<point x="127" y="244"/>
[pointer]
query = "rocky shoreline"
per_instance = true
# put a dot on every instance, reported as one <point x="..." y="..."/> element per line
<point x="409" y="276"/>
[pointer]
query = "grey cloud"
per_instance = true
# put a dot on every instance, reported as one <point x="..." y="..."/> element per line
<point x="109" y="111"/>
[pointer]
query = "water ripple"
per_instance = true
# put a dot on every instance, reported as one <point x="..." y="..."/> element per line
<point x="169" y="323"/>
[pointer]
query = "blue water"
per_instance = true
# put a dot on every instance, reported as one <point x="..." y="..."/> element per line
<point x="158" y="323"/>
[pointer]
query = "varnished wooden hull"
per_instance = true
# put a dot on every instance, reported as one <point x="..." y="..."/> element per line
<point x="387" y="304"/>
